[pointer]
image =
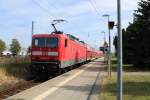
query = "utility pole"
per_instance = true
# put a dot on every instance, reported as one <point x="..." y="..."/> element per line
<point x="32" y="29"/>
<point x="119" y="51"/>
<point x="32" y="32"/>
<point x="109" y="57"/>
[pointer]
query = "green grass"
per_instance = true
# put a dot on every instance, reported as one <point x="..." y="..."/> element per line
<point x="16" y="67"/>
<point x="134" y="88"/>
<point x="128" y="67"/>
<point x="13" y="70"/>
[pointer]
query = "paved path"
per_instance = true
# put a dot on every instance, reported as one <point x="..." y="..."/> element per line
<point x="79" y="84"/>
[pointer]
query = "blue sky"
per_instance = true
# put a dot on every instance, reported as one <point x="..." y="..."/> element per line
<point x="84" y="18"/>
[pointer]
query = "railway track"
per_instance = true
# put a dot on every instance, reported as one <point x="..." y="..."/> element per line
<point x="23" y="85"/>
<point x="18" y="87"/>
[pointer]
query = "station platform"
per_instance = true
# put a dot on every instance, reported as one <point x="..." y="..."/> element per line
<point x="82" y="83"/>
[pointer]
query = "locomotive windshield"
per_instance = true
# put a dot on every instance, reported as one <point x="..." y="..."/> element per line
<point x="45" y="42"/>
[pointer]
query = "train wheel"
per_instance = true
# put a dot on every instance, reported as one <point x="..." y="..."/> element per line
<point x="64" y="70"/>
<point x="32" y="72"/>
<point x="59" y="71"/>
<point x="42" y="74"/>
<point x="71" y="67"/>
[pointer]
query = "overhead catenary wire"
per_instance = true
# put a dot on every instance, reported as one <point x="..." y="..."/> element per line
<point x="91" y="5"/>
<point x="63" y="17"/>
<point x="95" y="2"/>
<point x="51" y="5"/>
<point x="70" y="17"/>
<point x="44" y="9"/>
<point x="54" y="6"/>
<point x="94" y="7"/>
<point x="47" y="10"/>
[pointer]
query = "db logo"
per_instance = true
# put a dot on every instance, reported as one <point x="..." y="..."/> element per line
<point x="44" y="53"/>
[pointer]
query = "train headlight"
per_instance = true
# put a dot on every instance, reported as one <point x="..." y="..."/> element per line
<point x="52" y="53"/>
<point x="55" y="58"/>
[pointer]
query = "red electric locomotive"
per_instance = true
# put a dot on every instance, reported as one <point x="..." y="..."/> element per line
<point x="51" y="53"/>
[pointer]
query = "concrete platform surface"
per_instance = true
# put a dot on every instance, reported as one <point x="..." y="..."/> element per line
<point x="79" y="84"/>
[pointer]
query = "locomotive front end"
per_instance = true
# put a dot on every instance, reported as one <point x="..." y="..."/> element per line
<point x="45" y="53"/>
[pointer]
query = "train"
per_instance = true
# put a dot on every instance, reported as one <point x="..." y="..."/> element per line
<point x="52" y="53"/>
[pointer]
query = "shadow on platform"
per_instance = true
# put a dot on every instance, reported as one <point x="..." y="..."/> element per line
<point x="86" y="89"/>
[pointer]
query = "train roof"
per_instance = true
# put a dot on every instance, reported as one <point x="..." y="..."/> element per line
<point x="60" y="34"/>
<point x="44" y="35"/>
<point x="67" y="36"/>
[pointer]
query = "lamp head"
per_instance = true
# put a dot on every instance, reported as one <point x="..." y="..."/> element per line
<point x="106" y="15"/>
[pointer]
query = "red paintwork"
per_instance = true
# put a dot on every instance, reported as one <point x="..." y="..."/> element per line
<point x="74" y="50"/>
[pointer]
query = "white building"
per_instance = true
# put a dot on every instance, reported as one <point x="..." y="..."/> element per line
<point x="6" y="53"/>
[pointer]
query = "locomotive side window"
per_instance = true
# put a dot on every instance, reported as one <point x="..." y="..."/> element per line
<point x="66" y="42"/>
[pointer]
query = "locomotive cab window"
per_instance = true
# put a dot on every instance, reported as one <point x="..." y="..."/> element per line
<point x="39" y="42"/>
<point x="66" y="42"/>
<point x="51" y="42"/>
<point x="46" y="42"/>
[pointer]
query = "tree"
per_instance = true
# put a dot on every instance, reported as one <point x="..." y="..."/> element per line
<point x="115" y="44"/>
<point x="2" y="46"/>
<point x="115" y="41"/>
<point x="15" y="47"/>
<point x="136" y="49"/>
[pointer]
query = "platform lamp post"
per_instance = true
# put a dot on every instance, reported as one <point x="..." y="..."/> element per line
<point x="109" y="57"/>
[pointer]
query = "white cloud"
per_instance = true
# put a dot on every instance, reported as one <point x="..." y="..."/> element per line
<point x="80" y="15"/>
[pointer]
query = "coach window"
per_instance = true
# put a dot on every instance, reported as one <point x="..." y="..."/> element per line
<point x="66" y="42"/>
